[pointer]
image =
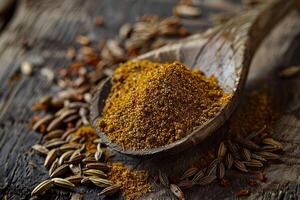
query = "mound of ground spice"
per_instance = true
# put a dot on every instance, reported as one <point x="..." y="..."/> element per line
<point x="134" y="183"/>
<point x="154" y="104"/>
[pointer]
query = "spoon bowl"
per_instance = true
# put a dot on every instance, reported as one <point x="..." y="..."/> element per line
<point x="225" y="52"/>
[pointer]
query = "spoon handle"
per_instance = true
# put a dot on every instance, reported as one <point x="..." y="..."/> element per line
<point x="264" y="19"/>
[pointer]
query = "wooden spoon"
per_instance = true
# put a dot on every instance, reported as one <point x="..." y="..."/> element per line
<point x="225" y="52"/>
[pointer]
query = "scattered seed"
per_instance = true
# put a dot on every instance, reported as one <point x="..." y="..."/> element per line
<point x="189" y="173"/>
<point x="74" y="138"/>
<point x="55" y="144"/>
<point x="47" y="73"/>
<point x="89" y="160"/>
<point x="233" y="148"/>
<point x="75" y="179"/>
<point x="76" y="196"/>
<point x="77" y="105"/>
<point x="198" y="176"/>
<point x="54" y="134"/>
<point x="125" y="31"/>
<point x="53" y="167"/>
<point x="94" y="172"/>
<point x="114" y="47"/>
<point x="65" y="156"/>
<point x="163" y="178"/>
<point x="51" y="156"/>
<point x="186" y="11"/>
<point x="289" y="72"/>
<point x="63" y="183"/>
<point x="85" y="180"/>
<point x="270" y="148"/>
<point x="67" y="133"/>
<point x="61" y="170"/>
<point x="71" y="53"/>
<point x="98" y="165"/>
<point x="83" y="40"/>
<point x="268" y="155"/>
<point x="177" y="191"/>
<point x="71" y="118"/>
<point x="43" y="121"/>
<point x="242" y="193"/>
<point x="76" y="159"/>
<point x="272" y="142"/>
<point x="64" y="113"/>
<point x="42" y="187"/>
<point x="240" y="166"/>
<point x="186" y="184"/>
<point x="56" y="123"/>
<point x="222" y="150"/>
<point x="75" y="153"/>
<point x="40" y="149"/>
<point x="69" y="146"/>
<point x="246" y="154"/>
<point x="110" y="190"/>
<point x="211" y="169"/>
<point x="100" y="182"/>
<point x="253" y="163"/>
<point x="98" y="155"/>
<point x="221" y="170"/>
<point x="257" y="157"/>
<point x="81" y="149"/>
<point x="228" y="161"/>
<point x="26" y="68"/>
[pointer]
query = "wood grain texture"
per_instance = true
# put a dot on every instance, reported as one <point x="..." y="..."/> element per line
<point x="53" y="25"/>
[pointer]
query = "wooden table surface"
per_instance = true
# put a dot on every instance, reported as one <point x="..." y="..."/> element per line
<point x="52" y="25"/>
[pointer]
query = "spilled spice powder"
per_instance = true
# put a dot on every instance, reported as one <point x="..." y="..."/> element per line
<point x="154" y="104"/>
<point x="258" y="111"/>
<point x="134" y="183"/>
<point x="89" y="133"/>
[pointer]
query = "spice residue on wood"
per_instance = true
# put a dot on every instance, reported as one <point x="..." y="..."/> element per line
<point x="257" y="113"/>
<point x="134" y="183"/>
<point x="158" y="103"/>
<point x="247" y="148"/>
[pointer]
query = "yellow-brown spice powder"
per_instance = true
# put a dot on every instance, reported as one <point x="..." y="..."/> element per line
<point x="258" y="111"/>
<point x="134" y="183"/>
<point x="89" y="133"/>
<point x="154" y="104"/>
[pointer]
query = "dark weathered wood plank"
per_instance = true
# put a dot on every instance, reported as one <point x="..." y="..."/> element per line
<point x="52" y="26"/>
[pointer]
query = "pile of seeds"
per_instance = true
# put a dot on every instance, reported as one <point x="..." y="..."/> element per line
<point x="76" y="157"/>
<point x="155" y="104"/>
<point x="247" y="153"/>
<point x="73" y="157"/>
<point x="91" y="63"/>
<point x="240" y="154"/>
